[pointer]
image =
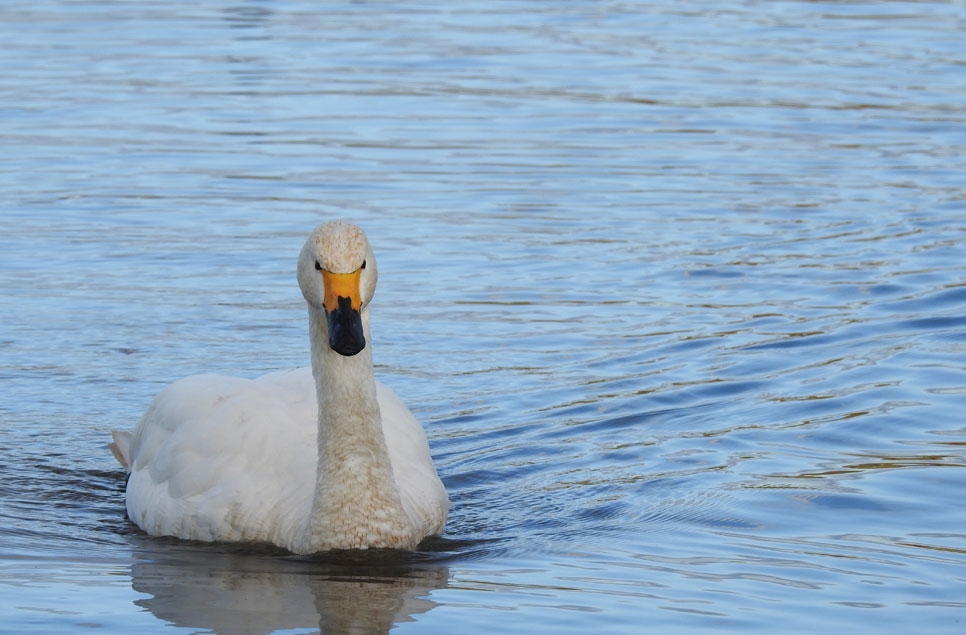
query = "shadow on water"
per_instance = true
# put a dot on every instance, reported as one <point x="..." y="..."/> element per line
<point x="229" y="589"/>
<point x="249" y="589"/>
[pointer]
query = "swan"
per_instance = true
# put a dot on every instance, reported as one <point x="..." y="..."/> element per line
<point x="311" y="459"/>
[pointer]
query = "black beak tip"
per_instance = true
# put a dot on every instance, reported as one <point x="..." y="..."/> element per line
<point x="347" y="347"/>
<point x="346" y="336"/>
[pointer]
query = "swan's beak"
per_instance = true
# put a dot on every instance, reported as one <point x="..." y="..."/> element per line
<point x="343" y="306"/>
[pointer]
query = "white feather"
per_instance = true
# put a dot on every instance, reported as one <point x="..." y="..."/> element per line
<point x="219" y="458"/>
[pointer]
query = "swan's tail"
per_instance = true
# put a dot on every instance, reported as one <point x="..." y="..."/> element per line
<point x="121" y="448"/>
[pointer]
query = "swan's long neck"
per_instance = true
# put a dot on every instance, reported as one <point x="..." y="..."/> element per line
<point x="357" y="502"/>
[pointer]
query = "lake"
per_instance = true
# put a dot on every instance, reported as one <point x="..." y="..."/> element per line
<point x="678" y="292"/>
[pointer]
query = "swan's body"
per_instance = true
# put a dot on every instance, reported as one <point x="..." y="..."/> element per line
<point x="309" y="460"/>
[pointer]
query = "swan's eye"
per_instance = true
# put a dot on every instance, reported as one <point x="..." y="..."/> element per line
<point x="318" y="267"/>
<point x="363" y="265"/>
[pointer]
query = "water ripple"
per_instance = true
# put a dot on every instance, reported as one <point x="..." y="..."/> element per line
<point x="677" y="291"/>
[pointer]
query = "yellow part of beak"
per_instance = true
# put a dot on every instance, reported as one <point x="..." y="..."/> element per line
<point x="341" y="285"/>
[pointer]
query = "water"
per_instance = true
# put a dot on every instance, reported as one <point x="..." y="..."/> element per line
<point x="678" y="292"/>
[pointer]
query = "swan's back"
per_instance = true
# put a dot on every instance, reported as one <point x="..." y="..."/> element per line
<point x="220" y="458"/>
<point x="421" y="491"/>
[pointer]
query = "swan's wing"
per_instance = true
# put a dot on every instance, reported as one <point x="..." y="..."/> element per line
<point x="121" y="448"/>
<point x="223" y="458"/>
<point x="423" y="495"/>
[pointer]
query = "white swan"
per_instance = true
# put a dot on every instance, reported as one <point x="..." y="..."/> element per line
<point x="308" y="459"/>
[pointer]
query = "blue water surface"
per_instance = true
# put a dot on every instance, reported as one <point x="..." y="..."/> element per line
<point x="677" y="290"/>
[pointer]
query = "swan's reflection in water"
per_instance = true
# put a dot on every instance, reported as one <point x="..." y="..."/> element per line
<point x="232" y="591"/>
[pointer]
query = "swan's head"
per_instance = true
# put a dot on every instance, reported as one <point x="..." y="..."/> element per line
<point x="337" y="274"/>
